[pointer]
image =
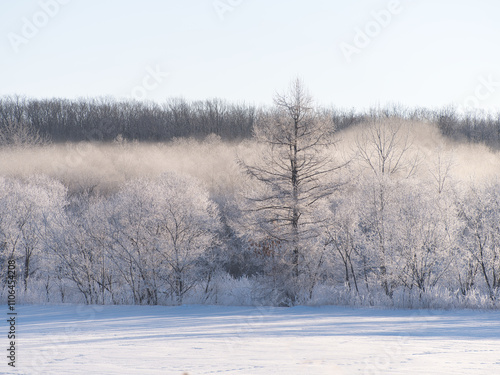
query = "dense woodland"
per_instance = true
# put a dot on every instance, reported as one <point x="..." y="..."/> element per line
<point x="291" y="204"/>
<point x="105" y="119"/>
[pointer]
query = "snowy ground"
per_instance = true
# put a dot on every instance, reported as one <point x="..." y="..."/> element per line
<point x="245" y="340"/>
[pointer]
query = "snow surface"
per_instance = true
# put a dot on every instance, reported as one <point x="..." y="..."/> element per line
<point x="70" y="339"/>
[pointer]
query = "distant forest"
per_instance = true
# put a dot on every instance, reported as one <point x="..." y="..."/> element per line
<point x="106" y="119"/>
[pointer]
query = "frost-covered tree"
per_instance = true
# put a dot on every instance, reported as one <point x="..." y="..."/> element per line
<point x="384" y="149"/>
<point x="79" y="242"/>
<point x="28" y="207"/>
<point x="423" y="237"/>
<point x="342" y="238"/>
<point x="292" y="176"/>
<point x="479" y="212"/>
<point x="162" y="227"/>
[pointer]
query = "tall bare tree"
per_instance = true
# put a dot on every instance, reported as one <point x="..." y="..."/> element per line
<point x="293" y="171"/>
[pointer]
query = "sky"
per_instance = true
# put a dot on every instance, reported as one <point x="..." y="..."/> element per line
<point x="349" y="53"/>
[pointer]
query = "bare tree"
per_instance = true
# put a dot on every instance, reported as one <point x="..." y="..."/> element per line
<point x="478" y="210"/>
<point x="162" y="229"/>
<point x="20" y="134"/>
<point x="293" y="172"/>
<point x="440" y="170"/>
<point x="341" y="237"/>
<point x="385" y="149"/>
<point x="27" y="207"/>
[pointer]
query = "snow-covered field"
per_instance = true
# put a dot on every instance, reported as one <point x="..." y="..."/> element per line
<point x="71" y="339"/>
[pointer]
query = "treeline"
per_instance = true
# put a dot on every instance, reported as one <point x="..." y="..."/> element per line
<point x="106" y="119"/>
<point x="392" y="241"/>
<point x="103" y="120"/>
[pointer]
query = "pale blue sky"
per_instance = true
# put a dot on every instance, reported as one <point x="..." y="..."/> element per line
<point x="430" y="53"/>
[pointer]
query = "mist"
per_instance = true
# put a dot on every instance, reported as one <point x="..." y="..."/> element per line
<point x="106" y="166"/>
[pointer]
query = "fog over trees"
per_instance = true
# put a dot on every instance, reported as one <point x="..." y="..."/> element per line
<point x="112" y="202"/>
